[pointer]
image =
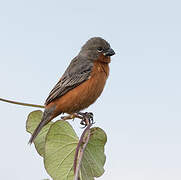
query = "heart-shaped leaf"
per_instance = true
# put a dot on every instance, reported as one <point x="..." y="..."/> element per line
<point x="61" y="143"/>
<point x="94" y="158"/>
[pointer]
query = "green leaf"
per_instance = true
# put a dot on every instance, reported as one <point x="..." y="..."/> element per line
<point x="32" y="122"/>
<point x="59" y="149"/>
<point x="61" y="143"/>
<point x="94" y="158"/>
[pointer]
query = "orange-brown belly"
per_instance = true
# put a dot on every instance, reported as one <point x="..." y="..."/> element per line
<point x="85" y="94"/>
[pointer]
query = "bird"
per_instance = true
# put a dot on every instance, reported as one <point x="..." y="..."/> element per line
<point x="81" y="84"/>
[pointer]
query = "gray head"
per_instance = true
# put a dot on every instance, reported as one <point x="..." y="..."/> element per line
<point x="95" y="47"/>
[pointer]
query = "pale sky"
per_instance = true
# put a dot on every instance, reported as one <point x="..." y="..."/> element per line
<point x="140" y="108"/>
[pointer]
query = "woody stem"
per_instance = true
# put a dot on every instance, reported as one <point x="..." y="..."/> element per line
<point x="84" y="139"/>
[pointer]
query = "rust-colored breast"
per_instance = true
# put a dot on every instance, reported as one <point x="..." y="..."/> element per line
<point x="85" y="94"/>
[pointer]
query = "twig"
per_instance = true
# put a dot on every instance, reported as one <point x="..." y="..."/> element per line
<point x="80" y="150"/>
<point x="71" y="116"/>
<point x="22" y="104"/>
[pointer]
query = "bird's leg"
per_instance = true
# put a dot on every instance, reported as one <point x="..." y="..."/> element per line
<point x="87" y="118"/>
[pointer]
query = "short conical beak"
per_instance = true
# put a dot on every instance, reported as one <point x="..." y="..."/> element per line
<point x="109" y="52"/>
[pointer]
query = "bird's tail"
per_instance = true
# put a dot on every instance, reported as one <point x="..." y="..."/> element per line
<point x="37" y="130"/>
<point x="47" y="117"/>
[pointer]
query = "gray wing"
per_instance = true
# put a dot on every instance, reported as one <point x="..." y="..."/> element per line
<point x="77" y="72"/>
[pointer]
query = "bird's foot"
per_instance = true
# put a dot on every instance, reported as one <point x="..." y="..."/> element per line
<point x="87" y="118"/>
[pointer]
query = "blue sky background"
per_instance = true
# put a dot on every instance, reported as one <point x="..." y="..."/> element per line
<point x="140" y="108"/>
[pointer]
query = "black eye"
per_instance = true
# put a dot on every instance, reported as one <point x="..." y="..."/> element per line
<point x="99" y="49"/>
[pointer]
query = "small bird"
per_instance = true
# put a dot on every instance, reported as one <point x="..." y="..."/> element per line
<point x="81" y="84"/>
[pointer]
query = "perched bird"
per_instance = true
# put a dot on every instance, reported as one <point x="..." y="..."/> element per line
<point x="81" y="84"/>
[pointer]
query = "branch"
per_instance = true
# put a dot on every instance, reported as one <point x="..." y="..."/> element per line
<point x="22" y="104"/>
<point x="80" y="150"/>
<point x="71" y="116"/>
